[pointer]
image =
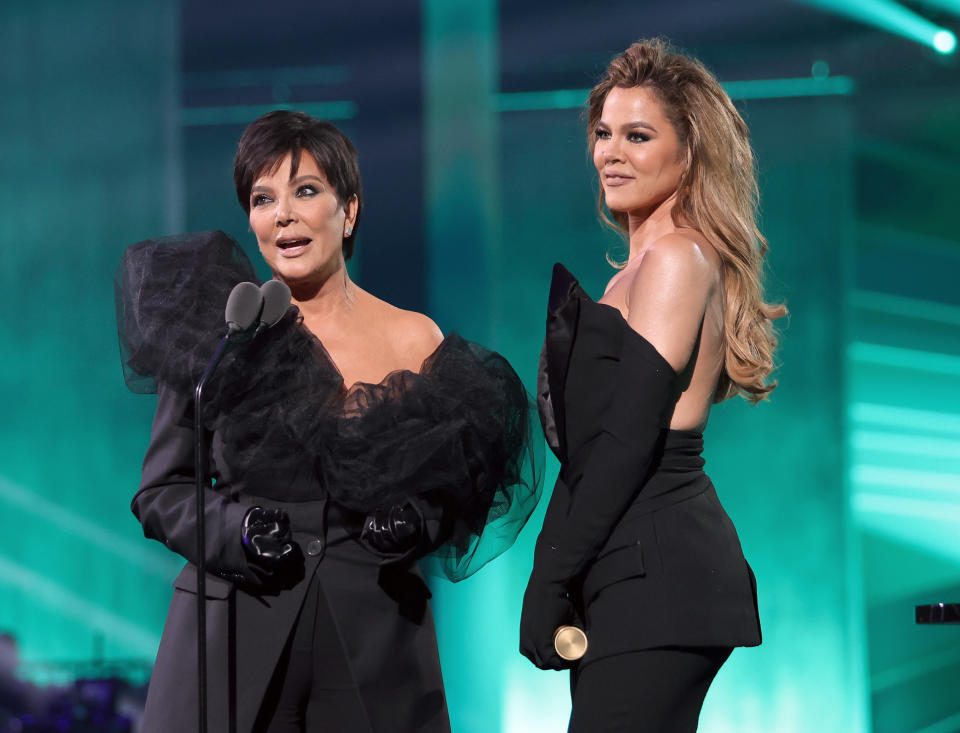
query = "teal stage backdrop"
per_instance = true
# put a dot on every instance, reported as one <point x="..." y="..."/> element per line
<point x="118" y="123"/>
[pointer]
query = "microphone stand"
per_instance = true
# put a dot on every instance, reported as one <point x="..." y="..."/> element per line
<point x="246" y="305"/>
<point x="202" y="483"/>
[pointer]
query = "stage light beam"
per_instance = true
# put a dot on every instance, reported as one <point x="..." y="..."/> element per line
<point x="893" y="17"/>
<point x="944" y="41"/>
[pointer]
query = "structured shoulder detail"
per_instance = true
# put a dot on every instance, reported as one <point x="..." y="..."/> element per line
<point x="635" y="346"/>
<point x="548" y="419"/>
<point x="615" y="364"/>
<point x="563" y="315"/>
<point x="563" y="286"/>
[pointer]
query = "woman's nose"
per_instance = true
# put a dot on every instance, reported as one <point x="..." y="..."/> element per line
<point x="611" y="152"/>
<point x="284" y="211"/>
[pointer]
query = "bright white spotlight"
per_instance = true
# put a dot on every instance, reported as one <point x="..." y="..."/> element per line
<point x="944" y="41"/>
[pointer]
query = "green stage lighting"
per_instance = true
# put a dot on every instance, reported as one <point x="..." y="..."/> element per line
<point x="892" y="17"/>
<point x="944" y="41"/>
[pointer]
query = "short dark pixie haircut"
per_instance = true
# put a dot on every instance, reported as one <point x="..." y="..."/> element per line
<point x="270" y="137"/>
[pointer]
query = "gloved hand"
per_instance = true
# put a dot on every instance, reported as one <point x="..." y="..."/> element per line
<point x="267" y="540"/>
<point x="546" y="606"/>
<point x="394" y="530"/>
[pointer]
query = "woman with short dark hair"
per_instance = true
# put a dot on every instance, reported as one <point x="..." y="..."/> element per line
<point x="346" y="442"/>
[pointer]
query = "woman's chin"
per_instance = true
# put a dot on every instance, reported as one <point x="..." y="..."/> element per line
<point x="288" y="273"/>
<point x="296" y="272"/>
<point x="635" y="206"/>
<point x="618" y="203"/>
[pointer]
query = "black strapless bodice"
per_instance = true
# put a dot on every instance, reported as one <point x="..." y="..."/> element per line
<point x="634" y="533"/>
<point x="588" y="340"/>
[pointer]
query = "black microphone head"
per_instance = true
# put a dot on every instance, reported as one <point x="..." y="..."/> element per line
<point x="243" y="307"/>
<point x="276" y="300"/>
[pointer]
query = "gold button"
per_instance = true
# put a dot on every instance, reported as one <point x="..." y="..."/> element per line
<point x="570" y="642"/>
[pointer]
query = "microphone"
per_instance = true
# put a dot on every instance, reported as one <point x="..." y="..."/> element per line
<point x="244" y="305"/>
<point x="276" y="300"/>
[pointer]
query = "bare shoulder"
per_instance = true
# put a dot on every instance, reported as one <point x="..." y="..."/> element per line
<point x="405" y="330"/>
<point x="412" y="336"/>
<point x="668" y="294"/>
<point x="684" y="259"/>
<point x="416" y="332"/>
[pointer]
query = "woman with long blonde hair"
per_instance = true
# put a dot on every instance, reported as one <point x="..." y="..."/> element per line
<point x="636" y="549"/>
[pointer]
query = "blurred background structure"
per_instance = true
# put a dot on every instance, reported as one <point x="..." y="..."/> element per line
<point x="119" y="121"/>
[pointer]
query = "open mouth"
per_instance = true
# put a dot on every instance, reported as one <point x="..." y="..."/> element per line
<point x="292" y="247"/>
<point x="292" y="243"/>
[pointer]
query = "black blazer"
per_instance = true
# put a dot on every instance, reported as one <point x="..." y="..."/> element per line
<point x="635" y="546"/>
<point x="379" y="605"/>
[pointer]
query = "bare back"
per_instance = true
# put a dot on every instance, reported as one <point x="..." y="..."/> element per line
<point x="672" y="294"/>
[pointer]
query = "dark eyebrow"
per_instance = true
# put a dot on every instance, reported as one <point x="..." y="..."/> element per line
<point x="630" y="125"/>
<point x="641" y="123"/>
<point x="293" y="181"/>
<point x="306" y="176"/>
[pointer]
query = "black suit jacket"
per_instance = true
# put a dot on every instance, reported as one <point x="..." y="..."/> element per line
<point x="634" y="540"/>
<point x="379" y="603"/>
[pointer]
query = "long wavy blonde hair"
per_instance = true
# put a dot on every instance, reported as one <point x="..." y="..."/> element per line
<point x="717" y="196"/>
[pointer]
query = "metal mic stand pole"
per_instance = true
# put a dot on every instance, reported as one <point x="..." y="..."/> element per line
<point x="200" y="471"/>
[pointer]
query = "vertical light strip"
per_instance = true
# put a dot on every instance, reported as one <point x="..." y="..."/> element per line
<point x="857" y="650"/>
<point x="460" y="57"/>
<point x="462" y="148"/>
<point x="175" y="205"/>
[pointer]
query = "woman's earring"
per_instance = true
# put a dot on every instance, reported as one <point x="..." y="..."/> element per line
<point x="348" y="232"/>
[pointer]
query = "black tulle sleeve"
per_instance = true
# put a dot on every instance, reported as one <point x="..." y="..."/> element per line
<point x="170" y="294"/>
<point x="457" y="433"/>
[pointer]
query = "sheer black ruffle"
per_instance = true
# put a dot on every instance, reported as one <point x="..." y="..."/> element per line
<point x="170" y="295"/>
<point x="457" y="433"/>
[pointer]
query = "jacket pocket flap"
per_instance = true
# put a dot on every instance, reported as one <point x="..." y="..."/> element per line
<point x="619" y="564"/>
<point x="215" y="587"/>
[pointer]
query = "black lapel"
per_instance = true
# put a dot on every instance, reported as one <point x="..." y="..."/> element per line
<point x="563" y="315"/>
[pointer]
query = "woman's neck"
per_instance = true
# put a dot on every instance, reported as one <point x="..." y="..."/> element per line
<point x="324" y="298"/>
<point x="645" y="228"/>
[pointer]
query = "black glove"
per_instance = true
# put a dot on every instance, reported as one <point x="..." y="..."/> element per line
<point x="394" y="530"/>
<point x="546" y="606"/>
<point x="267" y="540"/>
